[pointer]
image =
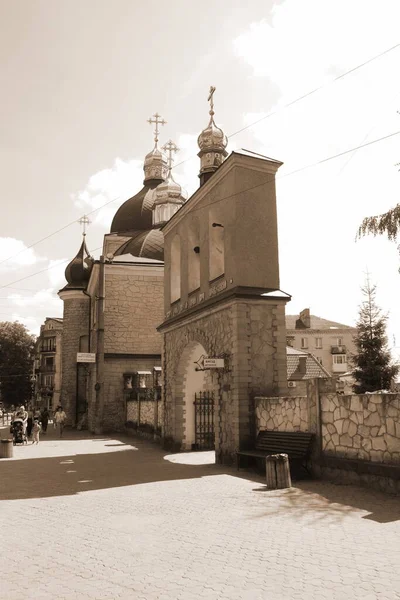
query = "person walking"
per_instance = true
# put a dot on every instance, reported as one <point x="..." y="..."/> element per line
<point x="36" y="431"/>
<point x="59" y="418"/>
<point x="24" y="416"/>
<point x="45" y="419"/>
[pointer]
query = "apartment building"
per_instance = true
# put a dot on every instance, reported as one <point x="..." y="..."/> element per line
<point x="47" y="367"/>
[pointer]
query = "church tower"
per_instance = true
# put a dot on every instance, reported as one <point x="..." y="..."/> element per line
<point x="212" y="143"/>
<point x="75" y="329"/>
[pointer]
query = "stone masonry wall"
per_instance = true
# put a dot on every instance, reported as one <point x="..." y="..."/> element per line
<point x="251" y="334"/>
<point x="75" y="324"/>
<point x="148" y="410"/>
<point x="133" y="310"/>
<point x="115" y="403"/>
<point x="362" y="427"/>
<point x="282" y="414"/>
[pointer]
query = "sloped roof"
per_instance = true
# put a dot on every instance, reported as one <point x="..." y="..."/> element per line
<point x="316" y="323"/>
<point x="313" y="369"/>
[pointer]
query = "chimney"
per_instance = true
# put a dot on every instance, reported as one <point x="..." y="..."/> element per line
<point x="305" y="318"/>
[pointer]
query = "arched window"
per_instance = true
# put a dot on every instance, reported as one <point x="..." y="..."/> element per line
<point x="175" y="268"/>
<point x="194" y="257"/>
<point x="217" y="247"/>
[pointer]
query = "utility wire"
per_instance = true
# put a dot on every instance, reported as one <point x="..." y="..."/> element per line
<point x="287" y="105"/>
<point x="306" y="167"/>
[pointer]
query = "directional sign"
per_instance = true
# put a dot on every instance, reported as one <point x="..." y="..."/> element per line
<point x="86" y="357"/>
<point x="214" y="363"/>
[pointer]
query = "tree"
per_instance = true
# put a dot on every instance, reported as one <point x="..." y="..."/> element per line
<point x="388" y="223"/>
<point x="16" y="356"/>
<point x="374" y="369"/>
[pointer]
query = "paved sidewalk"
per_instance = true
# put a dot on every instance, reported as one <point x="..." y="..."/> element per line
<point x="107" y="518"/>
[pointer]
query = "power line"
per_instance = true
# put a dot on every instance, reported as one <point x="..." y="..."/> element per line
<point x="287" y="105"/>
<point x="306" y="167"/>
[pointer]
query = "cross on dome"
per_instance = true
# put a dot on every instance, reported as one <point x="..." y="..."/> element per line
<point x="157" y="120"/>
<point x="84" y="221"/>
<point x="169" y="148"/>
<point x="211" y="99"/>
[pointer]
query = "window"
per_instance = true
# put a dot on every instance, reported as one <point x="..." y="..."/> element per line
<point x="339" y="359"/>
<point x="339" y="341"/>
<point x="49" y="362"/>
<point x="175" y="269"/>
<point x="49" y="344"/>
<point x="217" y="246"/>
<point x="290" y="341"/>
<point x="304" y="342"/>
<point x="318" y="342"/>
<point x="194" y="256"/>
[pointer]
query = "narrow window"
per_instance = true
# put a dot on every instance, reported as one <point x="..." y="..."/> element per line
<point x="175" y="269"/>
<point x="304" y="342"/>
<point x="318" y="342"/>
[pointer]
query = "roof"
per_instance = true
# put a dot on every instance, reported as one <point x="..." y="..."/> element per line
<point x="136" y="213"/>
<point x="295" y="369"/>
<point x="316" y="323"/>
<point x="245" y="152"/>
<point x="144" y="244"/>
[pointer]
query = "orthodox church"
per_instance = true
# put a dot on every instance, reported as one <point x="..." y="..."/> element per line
<point x="218" y="297"/>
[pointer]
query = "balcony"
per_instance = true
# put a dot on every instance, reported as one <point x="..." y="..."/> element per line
<point x="48" y="349"/>
<point x="49" y="369"/>
<point x="338" y="349"/>
<point x="340" y="368"/>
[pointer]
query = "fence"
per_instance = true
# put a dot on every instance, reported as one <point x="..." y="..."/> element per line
<point x="144" y="410"/>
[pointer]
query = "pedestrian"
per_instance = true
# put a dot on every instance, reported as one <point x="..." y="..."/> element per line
<point x="24" y="416"/>
<point x="36" y="431"/>
<point x="29" y="422"/>
<point x="59" y="418"/>
<point x="45" y="419"/>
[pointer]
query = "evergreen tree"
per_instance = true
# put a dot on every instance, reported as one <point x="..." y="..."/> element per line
<point x="374" y="369"/>
<point x="16" y="356"/>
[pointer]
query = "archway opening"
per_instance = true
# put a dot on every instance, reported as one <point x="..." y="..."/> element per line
<point x="193" y="384"/>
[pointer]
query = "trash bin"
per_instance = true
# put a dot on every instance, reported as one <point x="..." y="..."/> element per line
<point x="6" y="448"/>
<point x="278" y="471"/>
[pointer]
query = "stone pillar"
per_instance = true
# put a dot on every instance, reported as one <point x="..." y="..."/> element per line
<point x="75" y="324"/>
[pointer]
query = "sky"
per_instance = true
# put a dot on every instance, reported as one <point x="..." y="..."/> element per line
<point x="80" y="78"/>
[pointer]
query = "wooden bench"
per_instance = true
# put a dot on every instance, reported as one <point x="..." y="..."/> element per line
<point x="296" y="444"/>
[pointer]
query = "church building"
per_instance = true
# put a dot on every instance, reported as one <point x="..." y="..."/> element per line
<point x="185" y="299"/>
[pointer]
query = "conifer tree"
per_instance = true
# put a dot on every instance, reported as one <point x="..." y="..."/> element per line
<point x="374" y="369"/>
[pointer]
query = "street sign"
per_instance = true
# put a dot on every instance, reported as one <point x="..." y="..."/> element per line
<point x="86" y="357"/>
<point x="214" y="363"/>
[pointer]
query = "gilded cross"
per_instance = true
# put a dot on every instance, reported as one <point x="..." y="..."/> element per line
<point x="84" y="221"/>
<point x="158" y="120"/>
<point x="169" y="148"/>
<point x="211" y="99"/>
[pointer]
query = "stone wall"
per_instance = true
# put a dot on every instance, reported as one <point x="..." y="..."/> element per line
<point x="282" y="414"/>
<point x="133" y="310"/>
<point x="151" y="412"/>
<point x="362" y="427"/>
<point x="75" y="324"/>
<point x="251" y="335"/>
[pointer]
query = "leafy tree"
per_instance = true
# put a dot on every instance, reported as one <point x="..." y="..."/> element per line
<point x="388" y="223"/>
<point x="16" y="356"/>
<point x="374" y="369"/>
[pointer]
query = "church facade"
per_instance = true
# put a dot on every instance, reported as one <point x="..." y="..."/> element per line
<point x="190" y="286"/>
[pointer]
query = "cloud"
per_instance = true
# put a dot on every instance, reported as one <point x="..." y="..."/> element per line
<point x="17" y="253"/>
<point x="56" y="272"/>
<point x="117" y="183"/>
<point x="42" y="304"/>
<point x="305" y="45"/>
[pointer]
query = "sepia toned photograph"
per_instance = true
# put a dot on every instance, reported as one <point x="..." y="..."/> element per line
<point x="200" y="315"/>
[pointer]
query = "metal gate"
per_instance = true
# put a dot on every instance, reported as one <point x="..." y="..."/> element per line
<point x="204" y="421"/>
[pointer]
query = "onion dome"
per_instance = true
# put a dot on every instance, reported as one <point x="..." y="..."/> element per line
<point x="78" y="271"/>
<point x="136" y="213"/>
<point x="212" y="142"/>
<point x="144" y="244"/>
<point x="169" y="195"/>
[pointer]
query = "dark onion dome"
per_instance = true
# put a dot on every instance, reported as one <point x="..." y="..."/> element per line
<point x="144" y="244"/>
<point x="78" y="271"/>
<point x="136" y="213"/>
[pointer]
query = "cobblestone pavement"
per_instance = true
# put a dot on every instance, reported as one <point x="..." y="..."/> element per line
<point x="108" y="518"/>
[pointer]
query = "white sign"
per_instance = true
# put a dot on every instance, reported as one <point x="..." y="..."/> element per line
<point x="86" y="357"/>
<point x="214" y="363"/>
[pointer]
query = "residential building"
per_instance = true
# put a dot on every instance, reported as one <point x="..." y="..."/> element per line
<point x="47" y="365"/>
<point x="330" y="342"/>
<point x="301" y="366"/>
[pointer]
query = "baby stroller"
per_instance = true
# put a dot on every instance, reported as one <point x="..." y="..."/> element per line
<point x="19" y="435"/>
